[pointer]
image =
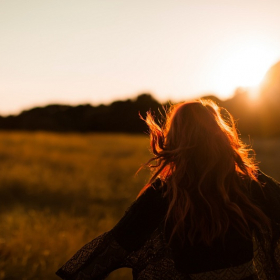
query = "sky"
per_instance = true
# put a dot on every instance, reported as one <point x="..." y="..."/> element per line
<point x="98" y="51"/>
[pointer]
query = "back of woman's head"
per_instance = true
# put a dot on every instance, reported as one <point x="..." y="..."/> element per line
<point x="207" y="171"/>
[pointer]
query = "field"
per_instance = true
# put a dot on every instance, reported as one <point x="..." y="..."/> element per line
<point x="59" y="191"/>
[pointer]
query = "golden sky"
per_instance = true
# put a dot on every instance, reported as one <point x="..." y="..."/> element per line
<point x="96" y="51"/>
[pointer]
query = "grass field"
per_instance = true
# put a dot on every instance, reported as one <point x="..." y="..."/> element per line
<point x="58" y="191"/>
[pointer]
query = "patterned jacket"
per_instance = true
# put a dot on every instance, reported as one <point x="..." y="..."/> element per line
<point x="138" y="241"/>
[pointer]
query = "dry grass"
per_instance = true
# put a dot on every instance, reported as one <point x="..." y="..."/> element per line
<point x="58" y="191"/>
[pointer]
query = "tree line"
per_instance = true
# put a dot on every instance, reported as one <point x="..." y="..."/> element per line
<point x="260" y="118"/>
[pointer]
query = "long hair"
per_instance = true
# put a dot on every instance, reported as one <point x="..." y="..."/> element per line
<point x="207" y="171"/>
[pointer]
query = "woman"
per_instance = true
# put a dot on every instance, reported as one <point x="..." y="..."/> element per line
<point x="206" y="213"/>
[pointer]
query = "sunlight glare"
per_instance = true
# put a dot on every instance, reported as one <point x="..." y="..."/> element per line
<point x="245" y="66"/>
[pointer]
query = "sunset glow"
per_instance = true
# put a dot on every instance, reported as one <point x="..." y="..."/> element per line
<point x="90" y="51"/>
<point x="244" y="66"/>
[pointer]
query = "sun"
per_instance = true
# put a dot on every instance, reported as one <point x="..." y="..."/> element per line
<point x="243" y="65"/>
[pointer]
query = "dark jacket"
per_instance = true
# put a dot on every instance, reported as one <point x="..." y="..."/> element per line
<point x="138" y="241"/>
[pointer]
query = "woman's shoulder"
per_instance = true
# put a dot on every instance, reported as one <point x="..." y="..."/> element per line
<point x="157" y="188"/>
<point x="266" y="179"/>
<point x="266" y="193"/>
<point x="152" y="199"/>
<point x="266" y="185"/>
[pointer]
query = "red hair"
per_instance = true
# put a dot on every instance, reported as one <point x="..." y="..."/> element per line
<point x="206" y="169"/>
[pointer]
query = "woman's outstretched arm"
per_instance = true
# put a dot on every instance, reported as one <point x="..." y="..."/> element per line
<point x="111" y="250"/>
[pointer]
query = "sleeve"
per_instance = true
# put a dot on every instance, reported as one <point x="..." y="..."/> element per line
<point x="95" y="260"/>
<point x="111" y="250"/>
<point x="142" y="218"/>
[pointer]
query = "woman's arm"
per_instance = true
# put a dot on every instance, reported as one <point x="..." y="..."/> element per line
<point x="111" y="250"/>
<point x="95" y="260"/>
